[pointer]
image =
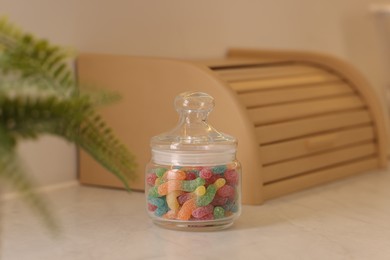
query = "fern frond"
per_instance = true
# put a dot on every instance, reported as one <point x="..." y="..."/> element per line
<point x="38" y="95"/>
<point x="98" y="140"/>
<point x="12" y="172"/>
<point x="73" y="119"/>
<point x="35" y="60"/>
<point x="28" y="116"/>
<point x="99" y="96"/>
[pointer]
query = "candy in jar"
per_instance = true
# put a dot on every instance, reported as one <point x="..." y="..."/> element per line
<point x="193" y="178"/>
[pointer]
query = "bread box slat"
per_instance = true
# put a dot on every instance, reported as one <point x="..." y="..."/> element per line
<point x="305" y="181"/>
<point x="291" y="111"/>
<point x="280" y="151"/>
<point x="261" y="72"/>
<point x="266" y="98"/>
<point x="282" y="82"/>
<point x="307" y="126"/>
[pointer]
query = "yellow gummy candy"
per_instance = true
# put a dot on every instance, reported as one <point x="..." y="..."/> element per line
<point x="200" y="191"/>
<point x="171" y="198"/>
<point x="219" y="183"/>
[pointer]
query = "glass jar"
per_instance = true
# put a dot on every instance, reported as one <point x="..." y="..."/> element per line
<point x="193" y="180"/>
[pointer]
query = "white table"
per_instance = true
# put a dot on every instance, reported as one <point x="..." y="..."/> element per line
<point x="349" y="219"/>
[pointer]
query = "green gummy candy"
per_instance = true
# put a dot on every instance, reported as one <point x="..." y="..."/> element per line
<point x="153" y="192"/>
<point x="191" y="185"/>
<point x="219" y="212"/>
<point x="219" y="169"/>
<point x="208" y="197"/>
<point x="160" y="172"/>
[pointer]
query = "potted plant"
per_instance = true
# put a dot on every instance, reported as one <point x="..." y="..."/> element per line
<point x="39" y="95"/>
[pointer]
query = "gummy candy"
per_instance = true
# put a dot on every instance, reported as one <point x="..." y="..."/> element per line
<point x="213" y="178"/>
<point x="160" y="171"/>
<point x="172" y="199"/>
<point x="158" y="202"/>
<point x="219" y="212"/>
<point x="158" y="181"/>
<point x="208" y="197"/>
<point x="193" y="193"/>
<point x="186" y="210"/>
<point x="153" y="192"/>
<point x="191" y="176"/>
<point x="200" y="191"/>
<point x="226" y="191"/>
<point x="219" y="201"/>
<point x="219" y="169"/>
<point x="193" y="184"/>
<point x="172" y="185"/>
<point x="151" y="207"/>
<point x="171" y="214"/>
<point x="174" y="175"/>
<point x="151" y="179"/>
<point x="231" y="177"/>
<point x="161" y="204"/>
<point x="202" y="211"/>
<point x="210" y="193"/>
<point x="161" y="211"/>
<point x="207" y="217"/>
<point x="184" y="197"/>
<point x="206" y="173"/>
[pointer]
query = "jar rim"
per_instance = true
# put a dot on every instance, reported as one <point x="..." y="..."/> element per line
<point x="188" y="158"/>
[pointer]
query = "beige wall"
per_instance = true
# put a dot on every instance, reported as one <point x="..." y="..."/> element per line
<point x="193" y="29"/>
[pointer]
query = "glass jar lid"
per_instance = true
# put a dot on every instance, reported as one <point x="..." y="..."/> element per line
<point x="193" y="140"/>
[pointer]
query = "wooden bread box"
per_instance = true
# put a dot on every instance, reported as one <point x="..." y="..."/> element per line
<point x="301" y="119"/>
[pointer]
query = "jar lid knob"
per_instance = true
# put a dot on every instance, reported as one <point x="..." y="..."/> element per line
<point x="194" y="102"/>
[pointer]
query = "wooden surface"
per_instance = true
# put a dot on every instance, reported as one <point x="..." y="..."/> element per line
<point x="301" y="119"/>
<point x="311" y="120"/>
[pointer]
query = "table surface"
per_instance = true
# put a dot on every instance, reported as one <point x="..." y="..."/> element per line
<point x="348" y="219"/>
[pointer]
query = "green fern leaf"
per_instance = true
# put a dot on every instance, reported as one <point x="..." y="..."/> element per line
<point x="73" y="119"/>
<point x="12" y="172"/>
<point x="38" y="95"/>
<point x="35" y="60"/>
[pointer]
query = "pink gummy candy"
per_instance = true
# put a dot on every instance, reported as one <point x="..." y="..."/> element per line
<point x="190" y="176"/>
<point x="206" y="173"/>
<point x="151" y="179"/>
<point x="219" y="201"/>
<point x="183" y="198"/>
<point x="151" y="207"/>
<point x="213" y="178"/>
<point x="231" y="177"/>
<point x="202" y="211"/>
<point x="207" y="217"/>
<point x="226" y="191"/>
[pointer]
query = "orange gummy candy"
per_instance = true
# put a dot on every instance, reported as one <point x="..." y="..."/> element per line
<point x="185" y="211"/>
